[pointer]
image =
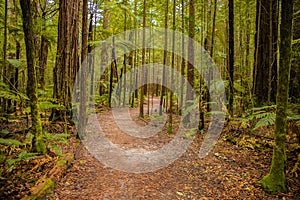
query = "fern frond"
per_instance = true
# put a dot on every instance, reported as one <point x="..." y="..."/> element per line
<point x="266" y="119"/>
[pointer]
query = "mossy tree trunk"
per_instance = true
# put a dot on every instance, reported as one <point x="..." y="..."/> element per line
<point x="31" y="29"/>
<point x="275" y="181"/>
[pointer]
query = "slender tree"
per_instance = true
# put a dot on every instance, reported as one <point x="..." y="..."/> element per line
<point x="190" y="67"/>
<point x="231" y="54"/>
<point x="84" y="66"/>
<point x="173" y="66"/>
<point x="5" y="77"/>
<point x="275" y="181"/>
<point x="143" y="88"/>
<point x="29" y="13"/>
<point x="183" y="55"/>
<point x="163" y="89"/>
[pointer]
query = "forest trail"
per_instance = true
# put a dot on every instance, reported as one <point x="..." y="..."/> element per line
<point x="226" y="173"/>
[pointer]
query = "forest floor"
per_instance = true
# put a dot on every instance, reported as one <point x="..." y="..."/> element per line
<point x="231" y="171"/>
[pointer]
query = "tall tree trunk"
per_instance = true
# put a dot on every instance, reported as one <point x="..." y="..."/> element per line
<point x="275" y="181"/>
<point x="67" y="58"/>
<point x="295" y="69"/>
<point x="5" y="66"/>
<point x="231" y="54"/>
<point x="84" y="66"/>
<point x="190" y="67"/>
<point x="143" y="88"/>
<point x="173" y="66"/>
<point x="211" y="52"/>
<point x="42" y="63"/>
<point x="265" y="68"/>
<point x="30" y="30"/>
<point x="163" y="89"/>
<point x="183" y="57"/>
<point x="125" y="57"/>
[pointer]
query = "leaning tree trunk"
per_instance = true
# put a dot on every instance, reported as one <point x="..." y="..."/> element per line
<point x="275" y="181"/>
<point x="29" y="20"/>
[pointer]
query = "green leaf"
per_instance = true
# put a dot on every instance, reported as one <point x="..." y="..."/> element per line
<point x="15" y="62"/>
<point x="10" y="142"/>
<point x="266" y="119"/>
<point x="5" y="132"/>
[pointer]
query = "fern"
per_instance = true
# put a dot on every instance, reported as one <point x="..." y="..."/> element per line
<point x="265" y="119"/>
<point x="265" y="116"/>
<point x="11" y="142"/>
<point x="24" y="155"/>
<point x="63" y="138"/>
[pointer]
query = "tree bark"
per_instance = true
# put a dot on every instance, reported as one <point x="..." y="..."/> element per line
<point x="295" y="69"/>
<point x="84" y="67"/>
<point x="275" y="181"/>
<point x="43" y="61"/>
<point x="163" y="89"/>
<point x="30" y="30"/>
<point x="231" y="54"/>
<point x="5" y="66"/>
<point x="265" y="68"/>
<point x="67" y="58"/>
<point x="190" y="67"/>
<point x="143" y="88"/>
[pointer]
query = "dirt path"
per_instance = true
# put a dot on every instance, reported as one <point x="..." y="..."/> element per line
<point x="229" y="172"/>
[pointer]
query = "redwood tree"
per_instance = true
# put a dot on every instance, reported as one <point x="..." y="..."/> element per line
<point x="67" y="59"/>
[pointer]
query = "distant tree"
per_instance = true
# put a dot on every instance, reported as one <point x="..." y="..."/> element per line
<point x="163" y="89"/>
<point x="143" y="88"/>
<point x="5" y="65"/>
<point x="275" y="181"/>
<point x="191" y="57"/>
<point x="265" y="65"/>
<point x="295" y="69"/>
<point x="31" y="29"/>
<point x="231" y="54"/>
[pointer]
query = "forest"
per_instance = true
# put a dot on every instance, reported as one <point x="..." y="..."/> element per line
<point x="170" y="99"/>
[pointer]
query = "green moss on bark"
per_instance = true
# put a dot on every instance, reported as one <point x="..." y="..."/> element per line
<point x="275" y="181"/>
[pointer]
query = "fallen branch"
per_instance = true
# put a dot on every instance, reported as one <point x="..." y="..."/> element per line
<point x="47" y="182"/>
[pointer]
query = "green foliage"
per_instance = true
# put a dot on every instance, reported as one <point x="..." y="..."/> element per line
<point x="23" y="156"/>
<point x="101" y="100"/>
<point x="261" y="116"/>
<point x="265" y="116"/>
<point x="4" y="132"/>
<point x="53" y="140"/>
<point x="7" y="93"/>
<point x="11" y="142"/>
